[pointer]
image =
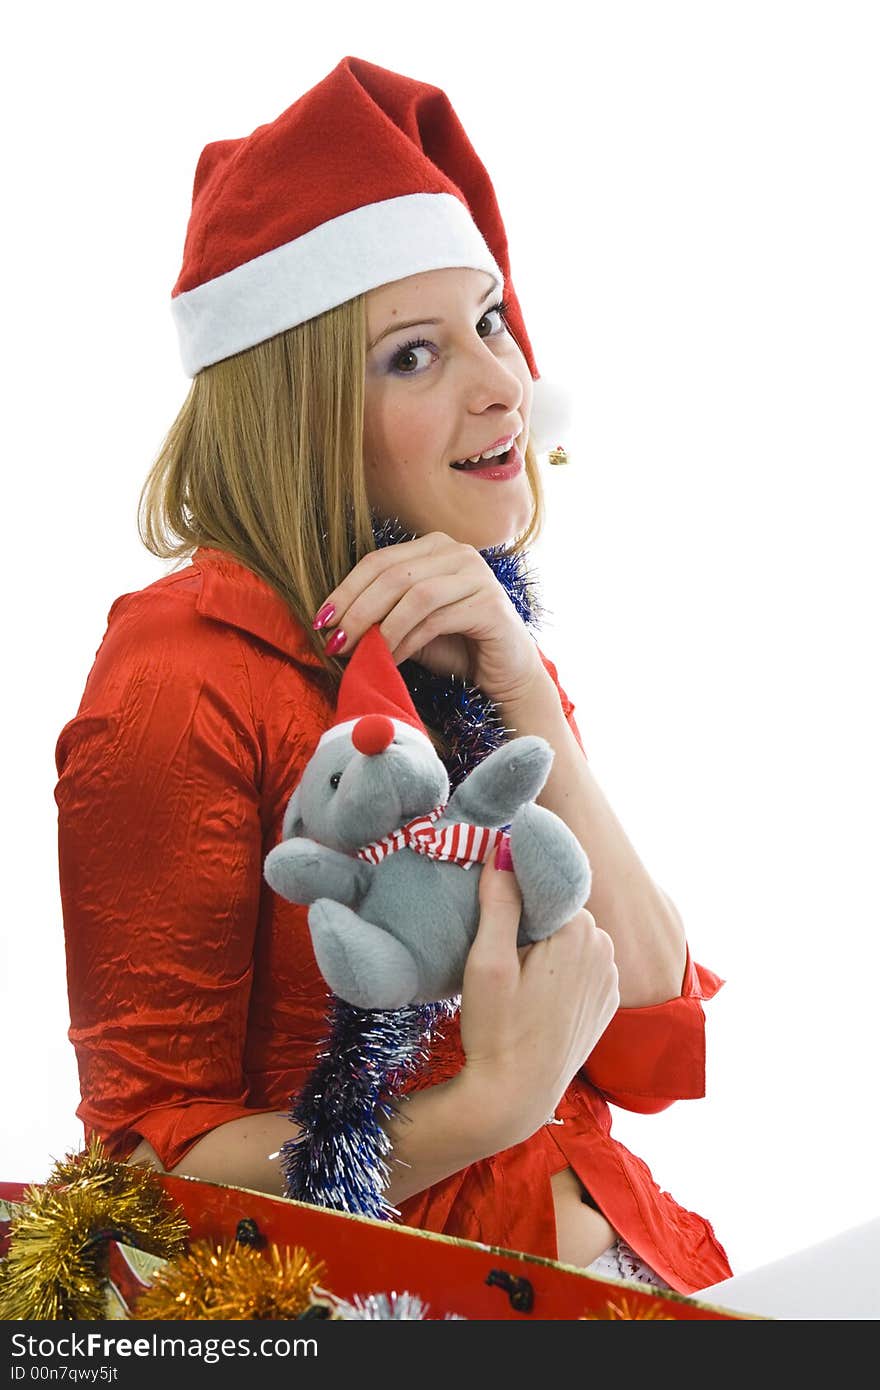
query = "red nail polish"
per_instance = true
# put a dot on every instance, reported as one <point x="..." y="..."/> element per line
<point x="337" y="641"/>
<point x="323" y="615"/>
<point x="503" y="857"/>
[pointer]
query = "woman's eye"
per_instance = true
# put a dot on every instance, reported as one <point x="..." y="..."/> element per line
<point x="408" y="351"/>
<point x="496" y="309"/>
<point x="403" y="360"/>
<point x="335" y="780"/>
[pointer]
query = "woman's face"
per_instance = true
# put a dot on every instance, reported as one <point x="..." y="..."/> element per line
<point x="437" y="393"/>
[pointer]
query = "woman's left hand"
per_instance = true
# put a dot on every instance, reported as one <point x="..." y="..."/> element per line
<point x="438" y="603"/>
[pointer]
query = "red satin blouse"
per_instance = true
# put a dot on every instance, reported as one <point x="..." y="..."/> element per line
<point x="194" y="994"/>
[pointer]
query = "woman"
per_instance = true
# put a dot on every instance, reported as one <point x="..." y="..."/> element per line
<point x="353" y="360"/>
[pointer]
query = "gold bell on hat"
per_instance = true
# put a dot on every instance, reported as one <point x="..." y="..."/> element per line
<point x="558" y="455"/>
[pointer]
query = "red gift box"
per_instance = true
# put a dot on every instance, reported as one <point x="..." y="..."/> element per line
<point x="364" y="1256"/>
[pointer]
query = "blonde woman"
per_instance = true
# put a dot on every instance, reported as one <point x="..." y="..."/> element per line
<point x="359" y="360"/>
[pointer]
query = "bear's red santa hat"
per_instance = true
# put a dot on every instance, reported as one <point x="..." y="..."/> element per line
<point x="373" y="705"/>
<point x="367" y="178"/>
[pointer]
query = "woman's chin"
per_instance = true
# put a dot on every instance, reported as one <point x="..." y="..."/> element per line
<point x="488" y="537"/>
<point x="491" y="542"/>
<point x="500" y="527"/>
<point x="501" y="532"/>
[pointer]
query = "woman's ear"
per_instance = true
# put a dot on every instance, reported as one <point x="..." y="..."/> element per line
<point x="292" y="824"/>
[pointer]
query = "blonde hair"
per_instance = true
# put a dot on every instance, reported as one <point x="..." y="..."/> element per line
<point x="265" y="462"/>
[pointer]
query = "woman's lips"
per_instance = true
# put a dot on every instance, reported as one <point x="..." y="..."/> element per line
<point x="497" y="470"/>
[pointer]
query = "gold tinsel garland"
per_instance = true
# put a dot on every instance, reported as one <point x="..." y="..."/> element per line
<point x="231" y="1282"/>
<point x="56" y="1264"/>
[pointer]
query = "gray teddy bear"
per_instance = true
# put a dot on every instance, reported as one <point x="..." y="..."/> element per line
<point x="371" y="842"/>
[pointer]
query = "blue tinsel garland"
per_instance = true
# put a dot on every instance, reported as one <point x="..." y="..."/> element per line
<point x="338" y="1159"/>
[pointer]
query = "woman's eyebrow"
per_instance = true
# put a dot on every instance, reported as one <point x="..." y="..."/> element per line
<point x="414" y="323"/>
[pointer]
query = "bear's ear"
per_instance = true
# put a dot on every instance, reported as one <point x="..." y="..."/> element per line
<point x="292" y="824"/>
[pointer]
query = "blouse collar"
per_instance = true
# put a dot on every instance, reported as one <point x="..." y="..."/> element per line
<point x="233" y="594"/>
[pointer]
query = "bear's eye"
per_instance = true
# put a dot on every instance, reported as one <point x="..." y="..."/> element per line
<point x="335" y="780"/>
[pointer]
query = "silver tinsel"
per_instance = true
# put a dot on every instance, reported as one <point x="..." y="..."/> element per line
<point x="376" y="1307"/>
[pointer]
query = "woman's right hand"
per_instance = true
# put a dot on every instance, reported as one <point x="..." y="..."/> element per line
<point x="530" y="1016"/>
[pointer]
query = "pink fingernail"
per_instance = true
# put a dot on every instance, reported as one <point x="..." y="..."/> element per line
<point x="503" y="858"/>
<point x="323" y="615"/>
<point x="337" y="641"/>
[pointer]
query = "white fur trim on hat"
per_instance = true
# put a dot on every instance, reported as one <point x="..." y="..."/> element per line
<point x="551" y="415"/>
<point x="326" y="266"/>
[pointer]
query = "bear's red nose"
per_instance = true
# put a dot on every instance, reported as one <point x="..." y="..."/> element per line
<point x="372" y="734"/>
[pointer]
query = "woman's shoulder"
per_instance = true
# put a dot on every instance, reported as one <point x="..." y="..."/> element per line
<point x="213" y="604"/>
<point x="211" y="627"/>
<point x="170" y="599"/>
<point x="209" y="647"/>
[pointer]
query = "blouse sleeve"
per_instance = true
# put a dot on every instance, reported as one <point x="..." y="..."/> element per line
<point x="160" y="860"/>
<point x="567" y="706"/>
<point x="647" y="1058"/>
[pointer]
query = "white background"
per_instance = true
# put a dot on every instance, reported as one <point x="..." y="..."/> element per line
<point x="691" y="197"/>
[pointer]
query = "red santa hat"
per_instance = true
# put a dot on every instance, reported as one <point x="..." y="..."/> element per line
<point x="366" y="179"/>
<point x="373" y="705"/>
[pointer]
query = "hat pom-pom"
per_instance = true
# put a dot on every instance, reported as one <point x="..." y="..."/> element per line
<point x="552" y="412"/>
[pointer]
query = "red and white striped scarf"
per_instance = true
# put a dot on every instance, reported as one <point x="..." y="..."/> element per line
<point x="458" y="843"/>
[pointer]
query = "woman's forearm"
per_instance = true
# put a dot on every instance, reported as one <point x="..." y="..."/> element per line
<point x="440" y="1130"/>
<point x="648" y="935"/>
<point x="434" y="1133"/>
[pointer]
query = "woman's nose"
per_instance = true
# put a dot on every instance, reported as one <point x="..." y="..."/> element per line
<point x="491" y="381"/>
